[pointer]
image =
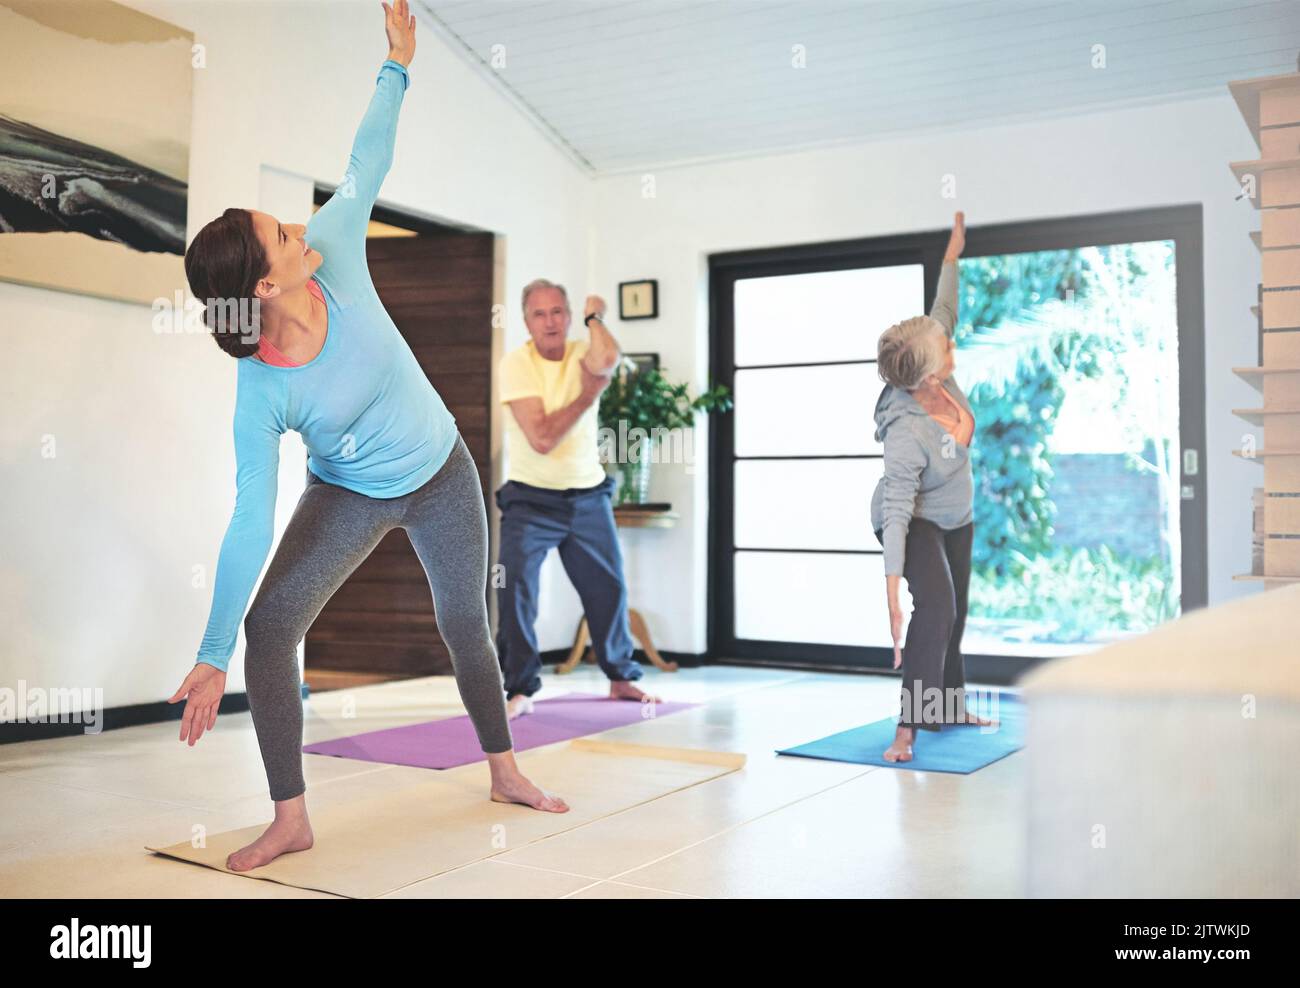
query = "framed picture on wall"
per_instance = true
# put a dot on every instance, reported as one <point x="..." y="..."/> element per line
<point x="95" y="139"/>
<point x="638" y="299"/>
<point x="643" y="361"/>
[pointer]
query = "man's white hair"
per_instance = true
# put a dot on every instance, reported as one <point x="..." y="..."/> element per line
<point x="538" y="283"/>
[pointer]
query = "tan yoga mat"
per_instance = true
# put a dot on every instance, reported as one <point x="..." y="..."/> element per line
<point x="381" y="842"/>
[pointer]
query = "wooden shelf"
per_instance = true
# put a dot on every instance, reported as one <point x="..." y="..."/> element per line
<point x="1254" y="376"/>
<point x="629" y="516"/>
<point x="1260" y="454"/>
<point x="1255" y="416"/>
<point x="1257" y="236"/>
<point x="1246" y="93"/>
<point x="1275" y="176"/>
<point x="1243" y="168"/>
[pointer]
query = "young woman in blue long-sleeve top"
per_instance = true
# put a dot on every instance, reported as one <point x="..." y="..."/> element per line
<point x="324" y="359"/>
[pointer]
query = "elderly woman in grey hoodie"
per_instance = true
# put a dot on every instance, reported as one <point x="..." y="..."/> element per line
<point x="922" y="509"/>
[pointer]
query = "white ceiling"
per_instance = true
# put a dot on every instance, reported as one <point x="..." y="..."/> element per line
<point x="626" y="85"/>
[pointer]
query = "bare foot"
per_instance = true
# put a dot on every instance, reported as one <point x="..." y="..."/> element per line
<point x="289" y="832"/>
<point x="619" y="690"/>
<point x="901" y="749"/>
<point x="517" y="789"/>
<point x="970" y="717"/>
<point x="518" y="705"/>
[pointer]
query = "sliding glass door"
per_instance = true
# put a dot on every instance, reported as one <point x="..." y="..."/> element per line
<point x="1080" y="347"/>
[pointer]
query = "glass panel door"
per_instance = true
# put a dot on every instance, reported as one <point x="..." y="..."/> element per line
<point x="805" y="459"/>
<point x="1080" y="344"/>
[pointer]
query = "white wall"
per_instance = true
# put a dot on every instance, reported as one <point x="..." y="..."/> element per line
<point x="1126" y="159"/>
<point x="101" y="541"/>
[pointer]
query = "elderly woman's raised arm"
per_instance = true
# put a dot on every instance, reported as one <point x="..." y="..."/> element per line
<point x="944" y="310"/>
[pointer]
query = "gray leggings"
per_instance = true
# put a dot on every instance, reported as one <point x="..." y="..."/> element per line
<point x="331" y="533"/>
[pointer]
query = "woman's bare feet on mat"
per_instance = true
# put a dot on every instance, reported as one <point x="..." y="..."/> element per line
<point x="901" y="749"/>
<point x="290" y="831"/>
<point x="510" y="786"/>
<point x="622" y="690"/>
<point x="518" y="705"/>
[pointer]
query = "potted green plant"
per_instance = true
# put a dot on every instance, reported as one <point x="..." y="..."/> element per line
<point x="638" y="411"/>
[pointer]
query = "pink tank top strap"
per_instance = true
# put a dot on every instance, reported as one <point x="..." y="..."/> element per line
<point x="270" y="355"/>
<point x="267" y="350"/>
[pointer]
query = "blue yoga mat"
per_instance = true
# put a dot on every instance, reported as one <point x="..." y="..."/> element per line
<point x="958" y="748"/>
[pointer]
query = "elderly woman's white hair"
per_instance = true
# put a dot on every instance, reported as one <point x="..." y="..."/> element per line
<point x="910" y="351"/>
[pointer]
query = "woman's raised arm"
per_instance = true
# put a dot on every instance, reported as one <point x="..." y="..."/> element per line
<point x="944" y="310"/>
<point x="372" y="150"/>
<point x="340" y="225"/>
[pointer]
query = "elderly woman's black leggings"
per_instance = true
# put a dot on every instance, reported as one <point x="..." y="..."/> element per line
<point x="937" y="570"/>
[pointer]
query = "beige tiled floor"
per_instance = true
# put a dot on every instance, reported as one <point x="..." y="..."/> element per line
<point x="78" y="811"/>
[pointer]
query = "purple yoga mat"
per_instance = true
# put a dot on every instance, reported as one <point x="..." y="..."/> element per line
<point x="451" y="742"/>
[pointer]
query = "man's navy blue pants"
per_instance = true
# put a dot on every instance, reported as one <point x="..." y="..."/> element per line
<point x="579" y="522"/>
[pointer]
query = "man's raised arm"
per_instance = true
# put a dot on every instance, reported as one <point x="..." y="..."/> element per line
<point x="603" y="355"/>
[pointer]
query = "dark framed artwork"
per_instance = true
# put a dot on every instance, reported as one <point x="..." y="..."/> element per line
<point x="638" y="299"/>
<point x="643" y="361"/>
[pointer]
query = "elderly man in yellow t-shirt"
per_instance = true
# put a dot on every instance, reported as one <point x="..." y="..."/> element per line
<point x="557" y="495"/>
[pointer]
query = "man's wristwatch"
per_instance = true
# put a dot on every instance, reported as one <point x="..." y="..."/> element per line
<point x="589" y="318"/>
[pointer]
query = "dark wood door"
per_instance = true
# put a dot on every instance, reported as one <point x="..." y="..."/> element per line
<point x="438" y="289"/>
